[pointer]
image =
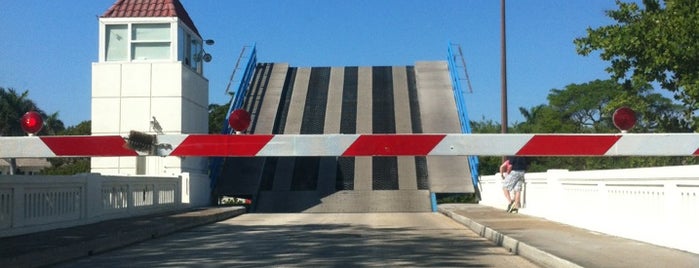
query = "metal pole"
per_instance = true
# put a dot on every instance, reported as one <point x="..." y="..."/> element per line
<point x="503" y="69"/>
<point x="503" y="73"/>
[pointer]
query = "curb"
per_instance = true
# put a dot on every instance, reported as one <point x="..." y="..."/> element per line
<point x="515" y="246"/>
<point x="159" y="226"/>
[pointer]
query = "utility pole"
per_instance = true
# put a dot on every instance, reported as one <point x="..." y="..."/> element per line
<point x="503" y="73"/>
<point x="503" y="69"/>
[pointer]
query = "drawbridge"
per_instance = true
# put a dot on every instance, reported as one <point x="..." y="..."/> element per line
<point x="283" y="99"/>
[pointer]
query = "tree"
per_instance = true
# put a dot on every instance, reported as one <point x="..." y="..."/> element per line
<point x="588" y="108"/>
<point x="13" y="105"/>
<point x="545" y="119"/>
<point x="585" y="104"/>
<point x="83" y="128"/>
<point x="70" y="165"/>
<point x="52" y="125"/>
<point x="657" y="44"/>
<point x="577" y="108"/>
<point x="217" y="115"/>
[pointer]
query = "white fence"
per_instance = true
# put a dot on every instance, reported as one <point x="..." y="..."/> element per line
<point x="36" y="203"/>
<point x="655" y="205"/>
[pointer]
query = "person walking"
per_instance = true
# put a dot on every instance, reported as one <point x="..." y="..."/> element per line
<point x="512" y="173"/>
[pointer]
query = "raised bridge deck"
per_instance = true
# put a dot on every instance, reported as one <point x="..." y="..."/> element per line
<point x="327" y="100"/>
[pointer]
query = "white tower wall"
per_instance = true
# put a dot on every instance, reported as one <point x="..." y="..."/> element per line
<point x="166" y="94"/>
<point x="132" y="96"/>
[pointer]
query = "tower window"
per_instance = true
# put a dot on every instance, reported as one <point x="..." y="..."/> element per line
<point x="117" y="42"/>
<point x="150" y="42"/>
<point x="196" y="53"/>
<point x="137" y="42"/>
<point x="190" y="51"/>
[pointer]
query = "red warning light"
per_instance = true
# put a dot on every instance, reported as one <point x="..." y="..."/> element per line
<point x="624" y="118"/>
<point x="31" y="122"/>
<point x="239" y="120"/>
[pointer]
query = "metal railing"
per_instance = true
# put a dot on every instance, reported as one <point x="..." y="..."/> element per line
<point x="235" y="102"/>
<point x="461" y="105"/>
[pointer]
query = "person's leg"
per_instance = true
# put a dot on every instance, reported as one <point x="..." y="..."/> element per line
<point x="510" y="202"/>
<point x="517" y="204"/>
<point x="507" y="195"/>
<point x="506" y="188"/>
<point x="518" y="178"/>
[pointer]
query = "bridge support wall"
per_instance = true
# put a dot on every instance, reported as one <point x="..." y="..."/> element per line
<point x="36" y="203"/>
<point x="655" y="205"/>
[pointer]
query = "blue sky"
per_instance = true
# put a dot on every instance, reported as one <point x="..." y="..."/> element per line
<point x="48" y="46"/>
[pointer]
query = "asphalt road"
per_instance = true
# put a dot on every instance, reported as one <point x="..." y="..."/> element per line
<point x="316" y="239"/>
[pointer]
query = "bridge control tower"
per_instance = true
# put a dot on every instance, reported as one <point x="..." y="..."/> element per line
<point x="150" y="78"/>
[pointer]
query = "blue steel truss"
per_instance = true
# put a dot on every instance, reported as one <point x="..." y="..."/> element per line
<point x="461" y="109"/>
<point x="235" y="103"/>
<point x="239" y="96"/>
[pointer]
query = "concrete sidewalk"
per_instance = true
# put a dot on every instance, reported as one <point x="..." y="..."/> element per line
<point x="553" y="244"/>
<point x="55" y="246"/>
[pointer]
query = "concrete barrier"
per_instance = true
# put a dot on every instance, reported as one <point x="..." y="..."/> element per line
<point x="36" y="203"/>
<point x="655" y="205"/>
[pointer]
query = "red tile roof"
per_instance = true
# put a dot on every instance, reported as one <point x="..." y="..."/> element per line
<point x="150" y="8"/>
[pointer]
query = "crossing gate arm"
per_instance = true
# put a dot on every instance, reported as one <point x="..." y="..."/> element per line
<point x="350" y="145"/>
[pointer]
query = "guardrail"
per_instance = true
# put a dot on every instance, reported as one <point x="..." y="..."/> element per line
<point x="655" y="205"/>
<point x="36" y="203"/>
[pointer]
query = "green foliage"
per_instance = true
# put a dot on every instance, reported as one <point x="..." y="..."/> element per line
<point x="545" y="119"/>
<point x="456" y="198"/>
<point x="82" y="128"/>
<point x="657" y="44"/>
<point x="541" y="164"/>
<point x="67" y="166"/>
<point x="231" y="202"/>
<point x="217" y="115"/>
<point x="72" y="165"/>
<point x="485" y="126"/>
<point x="52" y="125"/>
<point x="13" y="105"/>
<point x="588" y="108"/>
<point x="487" y="164"/>
<point x="584" y="105"/>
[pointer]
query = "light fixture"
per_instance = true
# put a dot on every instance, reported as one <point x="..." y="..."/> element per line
<point x="206" y="56"/>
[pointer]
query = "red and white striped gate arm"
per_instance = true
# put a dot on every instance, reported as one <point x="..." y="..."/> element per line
<point x="674" y="144"/>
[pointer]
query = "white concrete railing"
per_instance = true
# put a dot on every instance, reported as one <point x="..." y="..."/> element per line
<point x="655" y="205"/>
<point x="36" y="203"/>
